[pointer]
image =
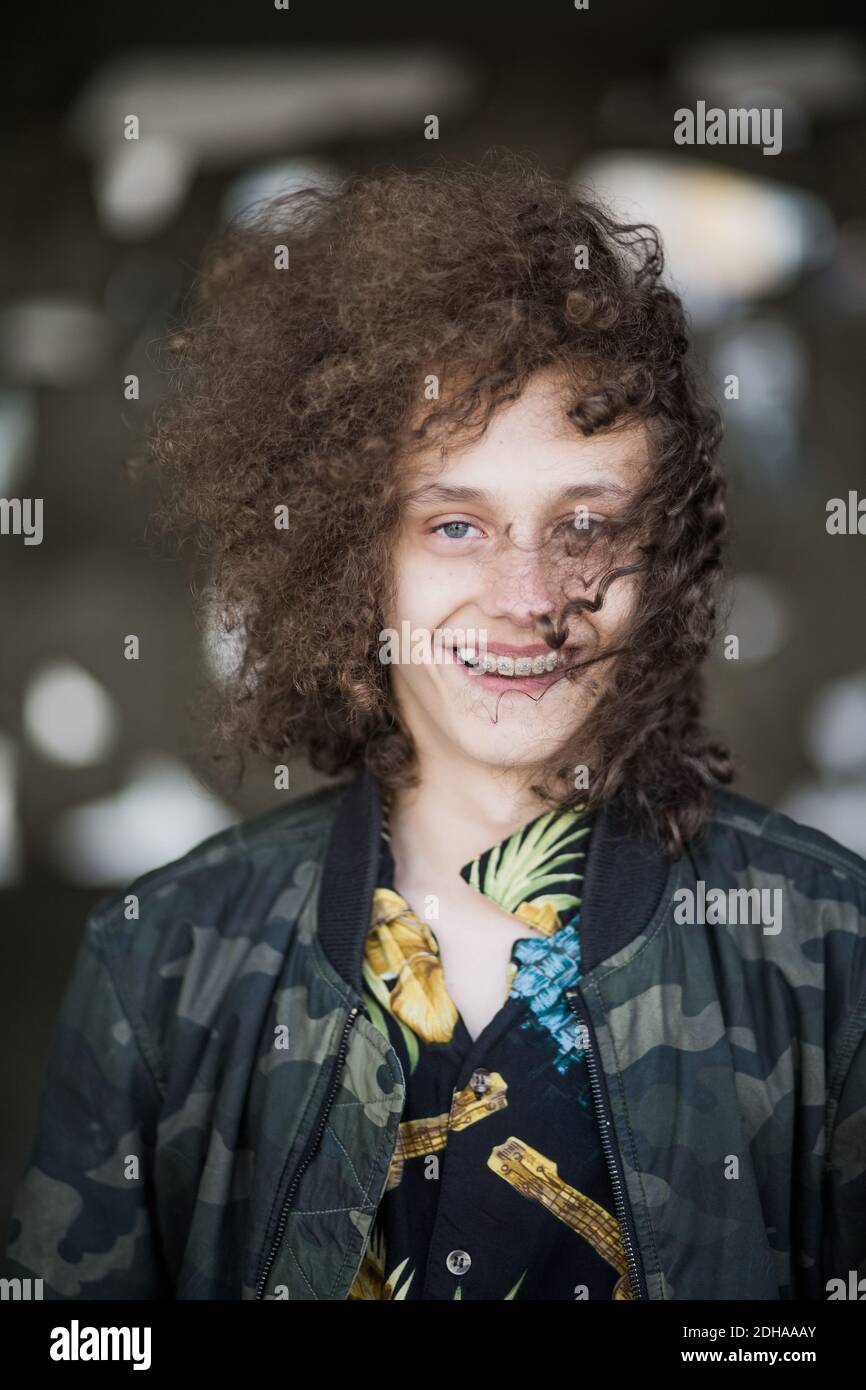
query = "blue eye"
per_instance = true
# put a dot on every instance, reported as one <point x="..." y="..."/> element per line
<point x="445" y="528"/>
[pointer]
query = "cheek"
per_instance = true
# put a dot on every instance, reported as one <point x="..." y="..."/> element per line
<point x="427" y="592"/>
<point x="416" y="594"/>
<point x="407" y="587"/>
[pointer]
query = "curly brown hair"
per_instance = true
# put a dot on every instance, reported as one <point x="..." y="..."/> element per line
<point x="303" y="388"/>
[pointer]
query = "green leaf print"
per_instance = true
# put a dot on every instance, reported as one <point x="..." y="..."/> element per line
<point x="512" y="1293"/>
<point x="530" y="860"/>
<point x="394" y="1276"/>
<point x="381" y="992"/>
<point x="376" y="1015"/>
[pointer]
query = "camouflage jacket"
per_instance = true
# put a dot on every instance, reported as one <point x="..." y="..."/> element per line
<point x="219" y="1112"/>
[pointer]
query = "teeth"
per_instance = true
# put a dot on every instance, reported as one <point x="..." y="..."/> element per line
<point x="508" y="665"/>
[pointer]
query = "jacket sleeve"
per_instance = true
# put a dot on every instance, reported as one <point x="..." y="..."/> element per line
<point x="83" y="1218"/>
<point x="845" y="1192"/>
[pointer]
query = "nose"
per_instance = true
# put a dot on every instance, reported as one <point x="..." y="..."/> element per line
<point x="517" y="587"/>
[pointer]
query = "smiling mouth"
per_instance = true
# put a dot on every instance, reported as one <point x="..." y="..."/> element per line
<point x="539" y="666"/>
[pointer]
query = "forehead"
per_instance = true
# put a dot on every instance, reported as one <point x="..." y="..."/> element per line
<point x="531" y="450"/>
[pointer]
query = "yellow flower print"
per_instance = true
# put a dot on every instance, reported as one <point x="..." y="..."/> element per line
<point x="402" y="948"/>
<point x="541" y="915"/>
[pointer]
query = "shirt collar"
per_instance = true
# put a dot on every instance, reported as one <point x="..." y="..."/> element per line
<point x="628" y="876"/>
<point x="535" y="874"/>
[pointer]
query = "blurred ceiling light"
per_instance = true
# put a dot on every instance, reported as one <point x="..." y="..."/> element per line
<point x="728" y="238"/>
<point x="162" y="812"/>
<point x="68" y="716"/>
<point x="759" y="616"/>
<point x="216" y="110"/>
<point x="10" y="830"/>
<point x="140" y="183"/>
<point x="823" y="73"/>
<point x="17" y="432"/>
<point x="53" y="341"/>
<point x="266" y="181"/>
<point x="836" y="726"/>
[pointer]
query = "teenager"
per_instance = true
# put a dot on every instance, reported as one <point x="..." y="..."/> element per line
<point x="526" y="1004"/>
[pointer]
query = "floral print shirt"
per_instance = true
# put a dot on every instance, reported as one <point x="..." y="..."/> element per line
<point x="498" y="1188"/>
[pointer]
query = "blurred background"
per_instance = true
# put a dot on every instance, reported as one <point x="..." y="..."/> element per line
<point x="101" y="775"/>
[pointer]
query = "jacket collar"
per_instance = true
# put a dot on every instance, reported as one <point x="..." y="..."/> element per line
<point x="625" y="874"/>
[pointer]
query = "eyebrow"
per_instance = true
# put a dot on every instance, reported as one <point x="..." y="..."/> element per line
<point x="449" y="492"/>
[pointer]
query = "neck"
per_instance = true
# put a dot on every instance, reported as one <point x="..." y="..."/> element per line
<point x="457" y="812"/>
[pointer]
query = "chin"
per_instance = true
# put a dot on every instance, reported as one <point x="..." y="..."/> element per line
<point x="549" y="719"/>
<point x="515" y="740"/>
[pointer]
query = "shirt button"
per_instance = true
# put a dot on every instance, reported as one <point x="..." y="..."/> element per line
<point x="479" y="1081"/>
<point x="458" y="1262"/>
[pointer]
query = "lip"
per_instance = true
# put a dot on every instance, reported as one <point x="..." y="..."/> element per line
<point x="528" y="685"/>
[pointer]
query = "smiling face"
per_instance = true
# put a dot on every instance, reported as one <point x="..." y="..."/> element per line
<point x="482" y="549"/>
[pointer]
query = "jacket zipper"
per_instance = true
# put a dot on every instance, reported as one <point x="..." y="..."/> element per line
<point x="310" y="1150"/>
<point x="573" y="997"/>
